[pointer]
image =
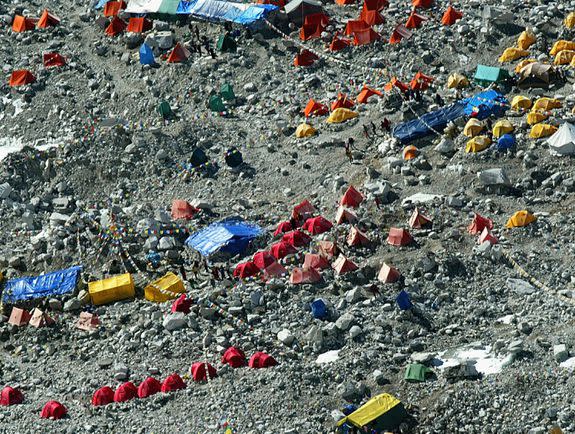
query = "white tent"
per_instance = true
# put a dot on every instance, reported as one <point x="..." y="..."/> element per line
<point x="563" y="141"/>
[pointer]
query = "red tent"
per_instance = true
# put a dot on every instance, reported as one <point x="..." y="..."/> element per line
<point x="19" y="317"/>
<point x="40" y="318"/>
<point x="478" y="224"/>
<point x="418" y="220"/>
<point x="345" y="215"/>
<point x="317" y="225"/>
<point x="396" y="83"/>
<point x="47" y="20"/>
<point x="181" y="209"/>
<point x="399" y="33"/>
<point x="138" y="25"/>
<point x="303" y="211"/>
<point x="304" y="275"/>
<point x="388" y="274"/>
<point x="327" y="249"/>
<point x="296" y="238"/>
<point x="399" y="237"/>
<point x="314" y="108"/>
<point x="281" y="249"/>
<point x="364" y="37"/>
<point x="420" y="81"/>
<point x="357" y="238"/>
<point x="338" y="44"/>
<point x="343" y="265"/>
<point x="52" y="60"/>
<point x="88" y="321"/>
<point x="198" y="371"/>
<point x="23" y="24"/>
<point x="10" y="396"/>
<point x="53" y="410"/>
<point x="263" y="259"/>
<point x="115" y="27"/>
<point x="342" y="101"/>
<point x="246" y="269"/>
<point x="415" y="20"/>
<point x="172" y="383"/>
<point x="182" y="304"/>
<point x="103" y="396"/>
<point x="179" y="54"/>
<point x="451" y="16"/>
<point x="282" y="228"/>
<point x="319" y="19"/>
<point x="125" y="392"/>
<point x="150" y="386"/>
<point x="305" y="58"/>
<point x="344" y="2"/>
<point x="21" y="77"/>
<point x="279" y="3"/>
<point x="353" y="26"/>
<point x="372" y="18"/>
<point x="234" y="357"/>
<point x="487" y="236"/>
<point x="351" y="197"/>
<point x="315" y="261"/>
<point x="274" y="270"/>
<point x="112" y="8"/>
<point x="261" y="360"/>
<point x="365" y="93"/>
<point x="426" y="4"/>
<point x="310" y="31"/>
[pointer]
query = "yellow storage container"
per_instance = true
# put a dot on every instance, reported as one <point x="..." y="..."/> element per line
<point x="112" y="289"/>
<point x="170" y="282"/>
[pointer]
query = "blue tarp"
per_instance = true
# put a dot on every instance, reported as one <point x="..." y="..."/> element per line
<point x="420" y="127"/>
<point x="227" y="236"/>
<point x="506" y="141"/>
<point x="403" y="300"/>
<point x="146" y="55"/>
<point x="486" y="104"/>
<point x="216" y="10"/>
<point x="46" y="285"/>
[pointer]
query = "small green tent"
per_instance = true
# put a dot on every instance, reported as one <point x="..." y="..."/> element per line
<point x="416" y="372"/>
<point x="216" y="104"/>
<point x="227" y="92"/>
<point x="485" y="75"/>
<point x="226" y="43"/>
<point x="165" y="110"/>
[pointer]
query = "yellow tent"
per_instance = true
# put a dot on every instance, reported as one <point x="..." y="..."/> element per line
<point x="521" y="102"/>
<point x="478" y="144"/>
<point x="570" y="20"/>
<point x="502" y="127"/>
<point x="523" y="63"/>
<point x="564" y="57"/>
<point x="546" y="104"/>
<point x="410" y="152"/>
<point x="457" y="81"/>
<point x="512" y="53"/>
<point x="562" y="45"/>
<point x="542" y="130"/>
<point x="304" y="130"/>
<point x="381" y="410"/>
<point x="520" y="219"/>
<point x="165" y="288"/>
<point x="534" y="117"/>
<point x="473" y="127"/>
<point x="526" y="39"/>
<point x="341" y="115"/>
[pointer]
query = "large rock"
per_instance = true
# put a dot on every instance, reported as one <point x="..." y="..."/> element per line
<point x="175" y="321"/>
<point x="344" y="322"/>
<point x="496" y="176"/>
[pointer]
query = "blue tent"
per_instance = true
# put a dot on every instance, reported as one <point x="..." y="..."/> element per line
<point x="485" y="104"/>
<point x="403" y="300"/>
<point x="146" y="55"/>
<point x="506" y="141"/>
<point x="46" y="285"/>
<point x="227" y="236"/>
<point x="424" y="126"/>
<point x="100" y="4"/>
<point x="319" y="309"/>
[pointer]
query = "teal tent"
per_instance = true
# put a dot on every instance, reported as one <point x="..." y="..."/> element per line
<point x="416" y="372"/>
<point x="485" y="75"/>
<point x="165" y="110"/>
<point x="226" y="43"/>
<point x="227" y="92"/>
<point x="216" y="104"/>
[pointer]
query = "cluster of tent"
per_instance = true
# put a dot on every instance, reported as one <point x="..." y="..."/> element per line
<point x="51" y="410"/>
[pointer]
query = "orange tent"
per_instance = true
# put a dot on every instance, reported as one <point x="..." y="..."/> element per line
<point x="22" y="24"/>
<point x="364" y="37"/>
<point x="426" y="4"/>
<point x="21" y="77"/>
<point x="327" y="249"/>
<point x="338" y="44"/>
<point x="418" y="220"/>
<point x="112" y="8"/>
<point x="351" y="197"/>
<point x="19" y="317"/>
<point x="395" y="83"/>
<point x="316" y="261"/>
<point x="343" y="265"/>
<point x="304" y="275"/>
<point x="305" y="58"/>
<point x="388" y="274"/>
<point x="47" y="20"/>
<point x="310" y="31"/>
<point x="450" y="16"/>
<point x="318" y="19"/>
<point x="353" y="26"/>
<point x="116" y="27"/>
<point x="314" y="108"/>
<point x="420" y="81"/>
<point x="365" y="93"/>
<point x="399" y="33"/>
<point x="374" y="5"/>
<point x="52" y="60"/>
<point x="345" y="215"/>
<point x="370" y="12"/>
<point x="357" y="238"/>
<point x="399" y="237"/>
<point x="342" y="101"/>
<point x="138" y="25"/>
<point x="179" y="54"/>
<point x="479" y="223"/>
<point x="415" y="20"/>
<point x="345" y="2"/>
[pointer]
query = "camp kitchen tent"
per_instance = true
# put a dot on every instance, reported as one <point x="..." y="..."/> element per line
<point x="227" y="236"/>
<point x="297" y="10"/>
<point x="563" y="141"/>
<point x="50" y="284"/>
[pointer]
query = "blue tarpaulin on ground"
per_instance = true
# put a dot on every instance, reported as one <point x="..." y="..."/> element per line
<point x="485" y="104"/>
<point x="46" y="285"/>
<point x="217" y="10"/>
<point x="422" y="127"/>
<point x="227" y="236"/>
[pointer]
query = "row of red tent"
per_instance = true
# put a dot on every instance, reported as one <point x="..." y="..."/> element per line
<point x="23" y="24"/>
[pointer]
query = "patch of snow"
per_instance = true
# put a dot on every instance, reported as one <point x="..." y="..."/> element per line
<point x="327" y="357"/>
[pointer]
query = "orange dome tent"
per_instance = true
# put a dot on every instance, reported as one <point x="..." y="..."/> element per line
<point x="138" y="25"/>
<point x="179" y="54"/>
<point x="415" y="20"/>
<point x="410" y="152"/>
<point x="47" y="20"/>
<point x="342" y="101"/>
<point x="305" y="58"/>
<point x="21" y="77"/>
<point x="365" y="93"/>
<point x="450" y="16"/>
<point x="115" y="27"/>
<point x="314" y="108"/>
<point x="112" y="8"/>
<point x="520" y="219"/>
<point x="22" y="24"/>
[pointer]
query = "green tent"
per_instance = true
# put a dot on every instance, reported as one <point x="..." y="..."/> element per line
<point x="416" y="372"/>
<point x="227" y="92"/>
<point x="165" y="110"/>
<point x="216" y="104"/>
<point x="226" y="43"/>
<point x="485" y="75"/>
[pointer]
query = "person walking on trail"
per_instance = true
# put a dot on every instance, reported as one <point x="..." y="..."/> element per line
<point x="195" y="268"/>
<point x="365" y="131"/>
<point x="374" y="128"/>
<point x="348" y="144"/>
<point x="183" y="272"/>
<point x="386" y="125"/>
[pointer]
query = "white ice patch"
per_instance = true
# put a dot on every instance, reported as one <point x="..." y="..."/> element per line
<point x="485" y="362"/>
<point x="327" y="357"/>
<point x="9" y="145"/>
